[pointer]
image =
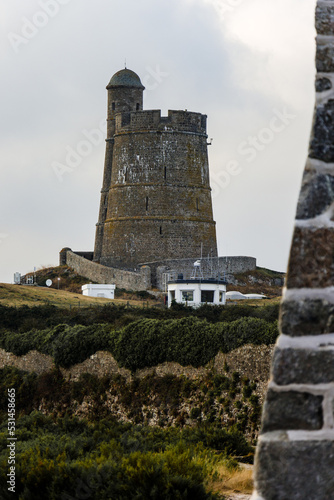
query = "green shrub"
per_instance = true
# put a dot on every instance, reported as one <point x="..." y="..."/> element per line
<point x="75" y="344"/>
<point x="195" y="413"/>
<point x="68" y="458"/>
<point x="142" y="343"/>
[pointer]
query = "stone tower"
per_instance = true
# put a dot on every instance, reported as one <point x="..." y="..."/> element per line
<point x="156" y="197"/>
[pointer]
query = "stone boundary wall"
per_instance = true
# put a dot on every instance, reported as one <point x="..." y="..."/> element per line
<point x="150" y="274"/>
<point x="295" y="453"/>
<point x="218" y="265"/>
<point x="130" y="280"/>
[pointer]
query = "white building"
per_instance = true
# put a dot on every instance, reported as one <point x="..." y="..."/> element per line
<point x="106" y="291"/>
<point x="195" y="292"/>
<point x="17" y="278"/>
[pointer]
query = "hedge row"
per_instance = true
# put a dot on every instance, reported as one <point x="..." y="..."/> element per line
<point x="24" y="318"/>
<point x="143" y="343"/>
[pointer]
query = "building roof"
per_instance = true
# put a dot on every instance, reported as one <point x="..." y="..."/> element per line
<point x="125" y="78"/>
<point x="204" y="281"/>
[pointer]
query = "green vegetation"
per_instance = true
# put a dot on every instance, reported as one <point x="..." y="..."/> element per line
<point x="227" y="402"/>
<point x="26" y="318"/>
<point x="59" y="457"/>
<point x="181" y="432"/>
<point x="142" y="343"/>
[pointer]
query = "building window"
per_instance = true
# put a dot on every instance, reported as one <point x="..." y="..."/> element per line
<point x="160" y="230"/>
<point x="207" y="295"/>
<point x="137" y="106"/>
<point x="221" y="296"/>
<point x="146" y="203"/>
<point x="197" y="205"/>
<point x="165" y="172"/>
<point x="187" y="295"/>
<point x="113" y="106"/>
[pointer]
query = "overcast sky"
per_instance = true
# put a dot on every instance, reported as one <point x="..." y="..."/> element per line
<point x="247" y="64"/>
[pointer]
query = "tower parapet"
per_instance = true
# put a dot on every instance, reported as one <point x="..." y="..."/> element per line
<point x="176" y="121"/>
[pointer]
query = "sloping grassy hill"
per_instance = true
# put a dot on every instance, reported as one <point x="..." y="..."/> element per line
<point x="260" y="280"/>
<point x="19" y="295"/>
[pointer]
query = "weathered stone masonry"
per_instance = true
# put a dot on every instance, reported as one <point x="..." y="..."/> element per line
<point x="147" y="275"/>
<point x="156" y="195"/>
<point x="130" y="280"/>
<point x="156" y="207"/>
<point x="295" y="454"/>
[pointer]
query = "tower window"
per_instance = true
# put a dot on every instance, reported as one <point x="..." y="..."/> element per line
<point x="137" y="106"/>
<point x="160" y="230"/>
<point x="113" y="106"/>
<point x="165" y="173"/>
<point x="146" y="203"/>
<point x="197" y="205"/>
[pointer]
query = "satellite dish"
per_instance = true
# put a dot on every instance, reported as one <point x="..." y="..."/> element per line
<point x="48" y="282"/>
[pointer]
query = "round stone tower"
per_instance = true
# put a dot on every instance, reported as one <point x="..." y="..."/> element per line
<point x="156" y="197"/>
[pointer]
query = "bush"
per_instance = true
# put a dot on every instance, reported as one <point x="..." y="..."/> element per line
<point x="243" y="331"/>
<point x="67" y="458"/>
<point x="144" y="342"/>
<point x="75" y="344"/>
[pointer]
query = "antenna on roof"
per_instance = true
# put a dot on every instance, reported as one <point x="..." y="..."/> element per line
<point x="125" y="63"/>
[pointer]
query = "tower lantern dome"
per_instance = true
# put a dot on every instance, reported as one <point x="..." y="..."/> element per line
<point x="125" y="94"/>
<point x="125" y="78"/>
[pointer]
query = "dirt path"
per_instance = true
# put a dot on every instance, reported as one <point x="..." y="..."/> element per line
<point x="237" y="496"/>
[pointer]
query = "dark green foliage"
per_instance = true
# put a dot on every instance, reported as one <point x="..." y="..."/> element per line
<point x="27" y="318"/>
<point x="191" y="341"/>
<point x="69" y="458"/>
<point x="139" y="399"/>
<point x="68" y="345"/>
<point x="231" y="442"/>
<point x="247" y="391"/>
<point x="143" y="343"/>
<point x="243" y="331"/>
<point x="75" y="344"/>
<point x="195" y="413"/>
<point x="188" y="341"/>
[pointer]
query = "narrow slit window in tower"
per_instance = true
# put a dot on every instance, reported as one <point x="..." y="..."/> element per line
<point x="146" y="203"/>
<point x="165" y="172"/>
<point x="160" y="230"/>
<point x="197" y="205"/>
<point x="113" y="106"/>
<point x="137" y="106"/>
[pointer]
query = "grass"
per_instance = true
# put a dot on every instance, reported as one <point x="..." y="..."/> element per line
<point x="236" y="480"/>
<point x="256" y="303"/>
<point x="19" y="295"/>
